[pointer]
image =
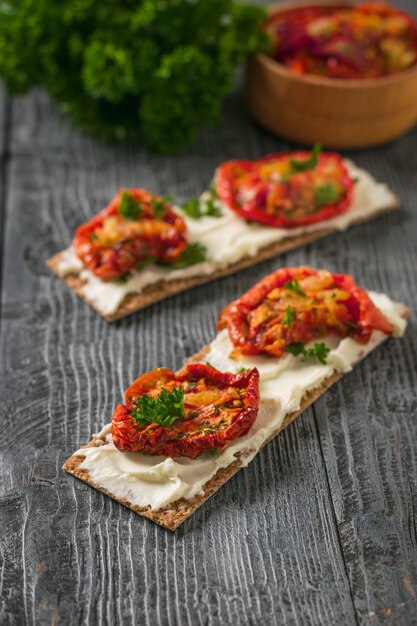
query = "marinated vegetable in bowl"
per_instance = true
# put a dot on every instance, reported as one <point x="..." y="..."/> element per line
<point x="369" y="40"/>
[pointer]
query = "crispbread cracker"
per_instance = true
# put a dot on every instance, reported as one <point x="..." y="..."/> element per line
<point x="172" y="515"/>
<point x="161" y="290"/>
<point x="177" y="512"/>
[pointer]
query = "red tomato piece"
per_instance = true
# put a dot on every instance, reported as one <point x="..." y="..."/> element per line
<point x="368" y="40"/>
<point x="299" y="304"/>
<point x="135" y="226"/>
<point x="275" y="192"/>
<point x="218" y="408"/>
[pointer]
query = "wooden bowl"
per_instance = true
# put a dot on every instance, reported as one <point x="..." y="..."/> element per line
<point x="338" y="113"/>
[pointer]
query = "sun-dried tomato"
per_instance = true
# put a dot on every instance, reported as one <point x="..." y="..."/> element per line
<point x="299" y="304"/>
<point x="276" y="190"/>
<point x="218" y="408"/>
<point x="137" y="225"/>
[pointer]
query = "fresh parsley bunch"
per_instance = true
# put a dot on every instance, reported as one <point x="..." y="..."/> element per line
<point x="123" y="69"/>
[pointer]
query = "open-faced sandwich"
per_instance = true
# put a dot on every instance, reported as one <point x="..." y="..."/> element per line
<point x="177" y="437"/>
<point x="141" y="248"/>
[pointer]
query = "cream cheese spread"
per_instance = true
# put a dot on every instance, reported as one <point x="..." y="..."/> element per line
<point x="146" y="480"/>
<point x="228" y="239"/>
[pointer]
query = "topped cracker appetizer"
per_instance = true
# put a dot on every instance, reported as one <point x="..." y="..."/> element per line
<point x="177" y="437"/>
<point x="141" y="248"/>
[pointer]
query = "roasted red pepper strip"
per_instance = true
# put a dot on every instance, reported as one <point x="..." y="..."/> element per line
<point x="271" y="191"/>
<point x="111" y="245"/>
<point x="368" y="40"/>
<point x="219" y="407"/>
<point x="299" y="304"/>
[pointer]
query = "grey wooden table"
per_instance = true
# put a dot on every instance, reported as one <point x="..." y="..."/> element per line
<point x="319" y="529"/>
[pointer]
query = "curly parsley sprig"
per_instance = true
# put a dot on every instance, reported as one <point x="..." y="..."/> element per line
<point x="193" y="253"/>
<point x="163" y="410"/>
<point x="160" y="206"/>
<point x="294" y="285"/>
<point x="289" y="315"/>
<point x="158" y="73"/>
<point x="129" y="207"/>
<point x="327" y="193"/>
<point x="319" y="351"/>
<point x="308" y="164"/>
<point x="196" y="209"/>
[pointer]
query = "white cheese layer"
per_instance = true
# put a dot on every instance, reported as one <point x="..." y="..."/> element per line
<point x="156" y="481"/>
<point x="228" y="239"/>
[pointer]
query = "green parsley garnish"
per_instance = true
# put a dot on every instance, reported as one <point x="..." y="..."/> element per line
<point x="129" y="208"/>
<point x="240" y="370"/>
<point x="163" y="410"/>
<point x="319" y="351"/>
<point x="193" y="253"/>
<point x="121" y="280"/>
<point x="294" y="285"/>
<point x="327" y="193"/>
<point x="145" y="262"/>
<point x="213" y="451"/>
<point x="196" y="209"/>
<point x="288" y="318"/>
<point x="212" y="210"/>
<point x="212" y="190"/>
<point x="309" y="164"/>
<point x="160" y="206"/>
<point x="295" y="348"/>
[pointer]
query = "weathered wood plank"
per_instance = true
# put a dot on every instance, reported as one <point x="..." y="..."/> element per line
<point x="319" y="529"/>
<point x="368" y="426"/>
<point x="4" y="146"/>
<point x="66" y="369"/>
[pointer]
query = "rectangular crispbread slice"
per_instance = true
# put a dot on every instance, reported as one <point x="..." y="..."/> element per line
<point x="159" y="291"/>
<point x="175" y="513"/>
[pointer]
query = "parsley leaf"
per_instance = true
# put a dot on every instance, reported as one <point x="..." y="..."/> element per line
<point x="212" y="190"/>
<point x="193" y="253"/>
<point x="163" y="410"/>
<point x="145" y="262"/>
<point x="129" y="208"/>
<point x="121" y="280"/>
<point x="309" y="164"/>
<point x="212" y="210"/>
<point x="288" y="318"/>
<point x="160" y="206"/>
<point x="295" y="348"/>
<point x="327" y="193"/>
<point x="240" y="370"/>
<point x="319" y="351"/>
<point x="294" y="285"/>
<point x="196" y="209"/>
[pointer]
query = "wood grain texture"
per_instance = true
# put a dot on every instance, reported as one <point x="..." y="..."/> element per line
<point x="319" y="529"/>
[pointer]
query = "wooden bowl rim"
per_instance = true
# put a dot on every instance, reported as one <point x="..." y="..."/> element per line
<point x="321" y="81"/>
